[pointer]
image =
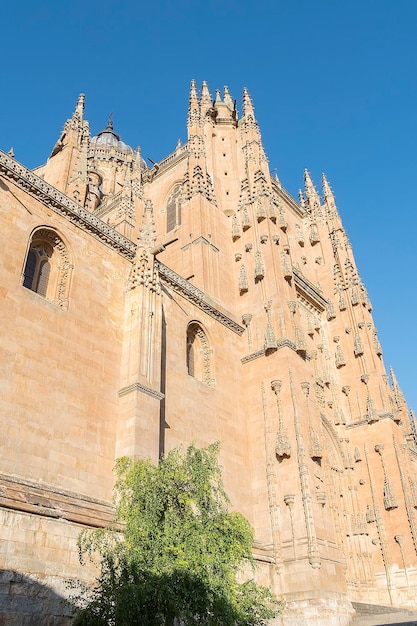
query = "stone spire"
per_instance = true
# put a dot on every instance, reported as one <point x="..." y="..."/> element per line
<point x="327" y="191"/>
<point x="193" y="107"/>
<point x="79" y="109"/>
<point x="312" y="196"/>
<point x="205" y="100"/>
<point x="398" y="394"/>
<point x="331" y="212"/>
<point x="227" y="98"/>
<point x="147" y="234"/>
<point x="248" y="109"/>
<point x="70" y="176"/>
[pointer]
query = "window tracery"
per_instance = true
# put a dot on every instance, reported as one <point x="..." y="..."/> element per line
<point x="47" y="267"/>
<point x="199" y="354"/>
<point x="174" y="208"/>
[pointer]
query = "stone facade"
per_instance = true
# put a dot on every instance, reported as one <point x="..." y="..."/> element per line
<point x="196" y="300"/>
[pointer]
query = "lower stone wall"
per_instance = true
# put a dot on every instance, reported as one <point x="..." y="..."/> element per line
<point x="38" y="567"/>
<point x="30" y="601"/>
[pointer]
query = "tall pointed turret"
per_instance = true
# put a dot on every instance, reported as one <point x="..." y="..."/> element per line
<point x="331" y="212"/>
<point x="248" y="109"/>
<point x="227" y="98"/>
<point x="193" y="107"/>
<point x="313" y="198"/>
<point x="205" y="101"/>
<point x="67" y="169"/>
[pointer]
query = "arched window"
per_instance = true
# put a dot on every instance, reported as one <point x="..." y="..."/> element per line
<point x="174" y="208"/>
<point x="47" y="267"/>
<point x="38" y="267"/>
<point x="199" y="354"/>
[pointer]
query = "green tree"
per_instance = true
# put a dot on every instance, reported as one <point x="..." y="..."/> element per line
<point x="175" y="549"/>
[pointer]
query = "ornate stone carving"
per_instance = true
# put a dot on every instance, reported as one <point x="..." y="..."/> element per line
<point x="330" y="311"/>
<point x="245" y="219"/>
<point x="144" y="272"/>
<point x="282" y="446"/>
<point x="314" y="235"/>
<point x="270" y="342"/>
<point x="357" y="346"/>
<point x="285" y="264"/>
<point x="243" y="280"/>
<point x="259" y="271"/>
<point x="62" y="204"/>
<point x="260" y="210"/>
<point x="64" y="269"/>
<point x="236" y="230"/>
<point x="340" y="358"/>
<point x="390" y="500"/>
<point x="299" y="235"/>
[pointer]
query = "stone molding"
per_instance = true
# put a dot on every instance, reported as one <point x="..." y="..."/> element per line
<point x="48" y="501"/>
<point x="143" y="388"/>
<point x="63" y="205"/>
<point x="289" y="200"/>
<point x="196" y="297"/>
<point x="284" y="343"/>
<point x="306" y="289"/>
<point x="169" y="161"/>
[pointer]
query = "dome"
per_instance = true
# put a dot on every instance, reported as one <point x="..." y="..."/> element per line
<point x="108" y="139"/>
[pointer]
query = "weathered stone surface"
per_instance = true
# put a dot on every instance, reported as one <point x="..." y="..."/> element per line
<point x="196" y="300"/>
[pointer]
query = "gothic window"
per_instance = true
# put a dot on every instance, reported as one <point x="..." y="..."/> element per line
<point x="38" y="268"/>
<point x="47" y="267"/>
<point x="199" y="358"/>
<point x="174" y="208"/>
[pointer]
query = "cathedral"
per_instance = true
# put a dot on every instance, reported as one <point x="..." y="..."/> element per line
<point x="195" y="300"/>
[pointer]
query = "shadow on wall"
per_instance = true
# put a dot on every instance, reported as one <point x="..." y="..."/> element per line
<point x="28" y="601"/>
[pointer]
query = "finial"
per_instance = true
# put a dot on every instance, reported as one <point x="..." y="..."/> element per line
<point x="227" y="98"/>
<point x="110" y="121"/>
<point x="205" y="90"/>
<point x="193" y="90"/>
<point x="79" y="109"/>
<point x="11" y="153"/>
<point x="308" y="183"/>
<point x="327" y="190"/>
<point x="205" y="101"/>
<point x="218" y="97"/>
<point x="193" y="106"/>
<point x="393" y="377"/>
<point x="311" y="191"/>
<point x="326" y="187"/>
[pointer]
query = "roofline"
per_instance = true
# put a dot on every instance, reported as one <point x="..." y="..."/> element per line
<point x="52" y="198"/>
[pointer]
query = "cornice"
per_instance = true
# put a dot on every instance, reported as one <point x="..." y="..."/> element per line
<point x="284" y="343"/>
<point x="170" y="160"/>
<point x="285" y="195"/>
<point x="48" y="501"/>
<point x="309" y="291"/>
<point x="63" y="205"/>
<point x="142" y="388"/>
<point x="196" y="297"/>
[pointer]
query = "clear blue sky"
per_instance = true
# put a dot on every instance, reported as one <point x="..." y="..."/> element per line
<point x="334" y="85"/>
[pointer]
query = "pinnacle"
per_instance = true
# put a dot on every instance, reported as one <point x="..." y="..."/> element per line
<point x="80" y="106"/>
<point x="193" y="91"/>
<point x="247" y="103"/>
<point x="227" y="98"/>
